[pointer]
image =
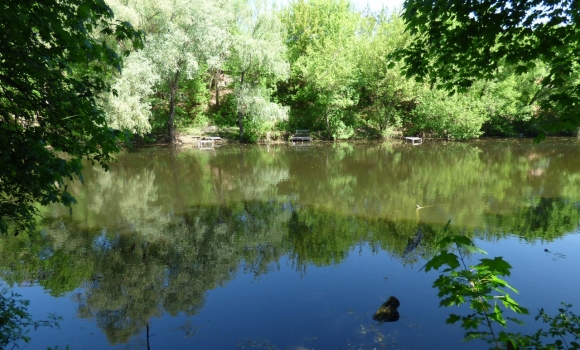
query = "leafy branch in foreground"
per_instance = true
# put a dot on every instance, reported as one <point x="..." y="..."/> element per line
<point x="481" y="287"/>
<point x="53" y="59"/>
<point x="455" y="43"/>
<point x="16" y="322"/>
<point x="564" y="324"/>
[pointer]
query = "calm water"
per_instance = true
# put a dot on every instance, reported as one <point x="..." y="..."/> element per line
<point x="287" y="247"/>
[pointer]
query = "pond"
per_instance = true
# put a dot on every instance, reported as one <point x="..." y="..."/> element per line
<point x="294" y="247"/>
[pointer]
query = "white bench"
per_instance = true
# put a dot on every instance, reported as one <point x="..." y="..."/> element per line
<point x="208" y="142"/>
<point x="415" y="140"/>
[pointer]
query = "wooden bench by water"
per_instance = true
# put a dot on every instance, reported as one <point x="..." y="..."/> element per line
<point x="301" y="136"/>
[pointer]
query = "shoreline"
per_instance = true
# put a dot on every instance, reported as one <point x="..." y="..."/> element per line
<point x="191" y="137"/>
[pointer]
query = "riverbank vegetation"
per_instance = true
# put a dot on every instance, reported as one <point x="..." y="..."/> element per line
<point x="264" y="71"/>
<point x="451" y="73"/>
<point x="340" y="72"/>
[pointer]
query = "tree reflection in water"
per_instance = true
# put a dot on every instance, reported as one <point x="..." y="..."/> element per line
<point x="161" y="229"/>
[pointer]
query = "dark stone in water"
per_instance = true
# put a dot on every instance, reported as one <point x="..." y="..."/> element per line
<point x="388" y="311"/>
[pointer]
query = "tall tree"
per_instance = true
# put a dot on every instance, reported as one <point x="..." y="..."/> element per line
<point x="51" y="70"/>
<point x="385" y="92"/>
<point x="258" y="59"/>
<point x="184" y="39"/>
<point x="322" y="41"/>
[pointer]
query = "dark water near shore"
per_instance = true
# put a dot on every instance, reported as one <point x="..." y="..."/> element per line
<point x="285" y="247"/>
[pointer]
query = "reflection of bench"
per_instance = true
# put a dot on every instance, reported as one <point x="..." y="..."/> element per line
<point x="301" y="136"/>
<point x="415" y="140"/>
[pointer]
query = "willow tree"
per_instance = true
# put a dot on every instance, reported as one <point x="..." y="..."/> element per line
<point x="256" y="114"/>
<point x="184" y="39"/>
<point x="128" y="106"/>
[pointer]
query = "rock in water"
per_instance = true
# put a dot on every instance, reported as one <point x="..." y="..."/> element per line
<point x="388" y="311"/>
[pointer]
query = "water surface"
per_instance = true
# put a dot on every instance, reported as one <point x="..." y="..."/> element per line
<point x="282" y="247"/>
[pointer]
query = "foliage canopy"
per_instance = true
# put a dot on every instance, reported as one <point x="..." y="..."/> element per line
<point x="52" y="68"/>
<point x="459" y="42"/>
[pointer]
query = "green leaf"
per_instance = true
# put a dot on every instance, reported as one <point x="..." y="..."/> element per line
<point x="452" y="319"/>
<point x="443" y="258"/>
<point x="497" y="266"/>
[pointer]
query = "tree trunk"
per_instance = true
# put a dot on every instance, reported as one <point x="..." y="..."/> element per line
<point x="217" y="88"/>
<point x="388" y="108"/>
<point x="240" y="115"/>
<point x="241" y="125"/>
<point x="328" y="124"/>
<point x="173" y="85"/>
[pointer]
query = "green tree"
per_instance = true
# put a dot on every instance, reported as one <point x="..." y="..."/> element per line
<point x="385" y="93"/>
<point x="185" y="38"/>
<point x="322" y="42"/>
<point x="128" y="106"/>
<point x="509" y="101"/>
<point x="457" y="43"/>
<point x="452" y="117"/>
<point x="257" y="114"/>
<point x="258" y="59"/>
<point x="51" y="70"/>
